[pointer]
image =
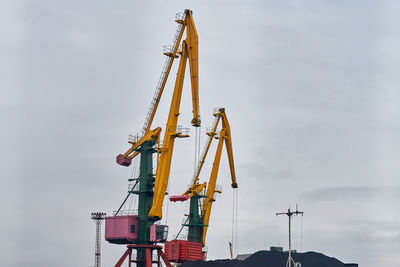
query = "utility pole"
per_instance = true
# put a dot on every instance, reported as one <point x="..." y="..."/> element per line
<point x="290" y="213"/>
<point x="98" y="217"/>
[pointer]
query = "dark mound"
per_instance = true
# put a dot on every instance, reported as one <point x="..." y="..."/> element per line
<point x="272" y="259"/>
<point x="216" y="263"/>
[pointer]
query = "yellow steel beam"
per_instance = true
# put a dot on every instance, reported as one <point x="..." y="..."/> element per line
<point x="189" y="52"/>
<point x="228" y="145"/>
<point x="207" y="204"/>
<point x="192" y="41"/>
<point x="203" y="159"/>
<point x="224" y="136"/>
<point x="149" y="136"/>
<point x="164" y="165"/>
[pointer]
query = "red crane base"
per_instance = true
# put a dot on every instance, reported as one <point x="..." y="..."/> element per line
<point x="149" y="252"/>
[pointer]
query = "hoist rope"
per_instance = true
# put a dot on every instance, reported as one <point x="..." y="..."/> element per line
<point x="196" y="149"/>
<point x="166" y="215"/>
<point x="134" y="175"/>
<point x="237" y="220"/>
<point x="198" y="146"/>
<point x="301" y="234"/>
<point x="129" y="184"/>
<point x="234" y="239"/>
<point x="233" y="220"/>
<point x="195" y="153"/>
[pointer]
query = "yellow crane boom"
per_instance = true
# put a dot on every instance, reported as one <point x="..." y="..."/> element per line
<point x="192" y="39"/>
<point x="189" y="52"/>
<point x="186" y="22"/>
<point x="224" y="135"/>
<point x="198" y="230"/>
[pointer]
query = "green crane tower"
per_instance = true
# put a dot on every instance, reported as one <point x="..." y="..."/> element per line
<point x="145" y="193"/>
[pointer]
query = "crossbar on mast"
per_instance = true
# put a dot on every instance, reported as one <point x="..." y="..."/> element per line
<point x="290" y="213"/>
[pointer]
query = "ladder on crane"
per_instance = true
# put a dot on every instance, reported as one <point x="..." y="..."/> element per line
<point x="170" y="52"/>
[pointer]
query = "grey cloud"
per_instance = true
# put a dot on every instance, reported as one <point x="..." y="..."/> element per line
<point x="349" y="192"/>
<point x="310" y="89"/>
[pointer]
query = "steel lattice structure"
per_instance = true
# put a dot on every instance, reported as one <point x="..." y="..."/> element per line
<point x="98" y="217"/>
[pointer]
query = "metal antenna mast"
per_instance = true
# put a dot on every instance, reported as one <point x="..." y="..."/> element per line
<point x="290" y="213"/>
<point x="98" y="217"/>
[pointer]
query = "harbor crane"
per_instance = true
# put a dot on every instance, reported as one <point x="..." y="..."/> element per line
<point x="139" y="231"/>
<point x="200" y="204"/>
<point x="189" y="52"/>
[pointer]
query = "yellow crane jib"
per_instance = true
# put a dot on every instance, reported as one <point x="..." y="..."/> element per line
<point x="185" y="21"/>
<point x="196" y="188"/>
<point x="224" y="136"/>
<point x="126" y="159"/>
<point x="190" y="46"/>
<point x="189" y="53"/>
<point x="193" y="54"/>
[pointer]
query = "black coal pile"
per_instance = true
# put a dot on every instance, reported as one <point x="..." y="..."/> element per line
<point x="272" y="259"/>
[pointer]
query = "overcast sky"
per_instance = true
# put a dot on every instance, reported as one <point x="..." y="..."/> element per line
<point x="311" y="90"/>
